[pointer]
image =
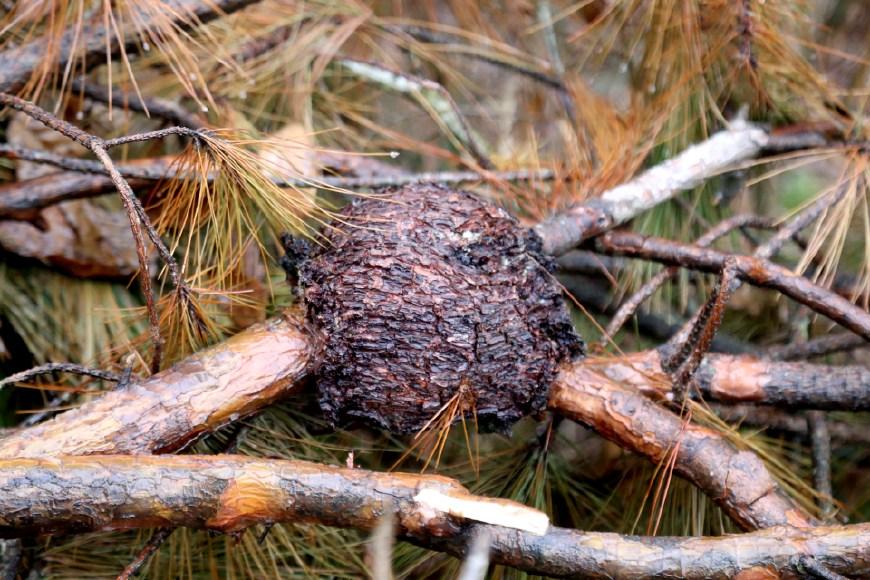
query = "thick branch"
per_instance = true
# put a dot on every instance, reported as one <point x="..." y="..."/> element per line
<point x="198" y="395"/>
<point x="742" y="379"/>
<point x="737" y="481"/>
<point x="256" y="367"/>
<point x="230" y="494"/>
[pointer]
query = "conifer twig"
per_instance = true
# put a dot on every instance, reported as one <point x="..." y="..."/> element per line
<point x="140" y="224"/>
<point x="60" y="367"/>
<point x="630" y="306"/>
<point x="756" y="271"/>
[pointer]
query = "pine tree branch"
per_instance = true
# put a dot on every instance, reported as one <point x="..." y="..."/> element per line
<point x="743" y="379"/>
<point x="736" y="480"/>
<point x="687" y="170"/>
<point x="756" y="271"/>
<point x="256" y="367"/>
<point x="229" y="494"/>
<point x="198" y="395"/>
<point x="92" y="41"/>
<point x="22" y="200"/>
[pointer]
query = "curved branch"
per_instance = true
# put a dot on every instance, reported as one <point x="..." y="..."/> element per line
<point x="229" y="494"/>
<point x="736" y="480"/>
<point x="756" y="271"/>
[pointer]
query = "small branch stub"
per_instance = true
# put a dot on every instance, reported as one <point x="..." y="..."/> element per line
<point x="434" y="303"/>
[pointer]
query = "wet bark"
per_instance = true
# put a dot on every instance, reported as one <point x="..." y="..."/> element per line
<point x="229" y="494"/>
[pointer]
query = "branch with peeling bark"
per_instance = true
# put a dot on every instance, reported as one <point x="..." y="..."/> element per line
<point x="742" y="141"/>
<point x="229" y="494"/>
<point x="743" y="379"/>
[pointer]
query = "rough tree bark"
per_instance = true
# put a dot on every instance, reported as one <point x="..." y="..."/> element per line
<point x="229" y="494"/>
<point x="211" y="388"/>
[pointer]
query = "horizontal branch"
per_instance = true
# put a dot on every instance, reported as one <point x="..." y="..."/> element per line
<point x="92" y="42"/>
<point x="755" y="271"/>
<point x="231" y="493"/>
<point x="84" y="178"/>
<point x="742" y="379"/>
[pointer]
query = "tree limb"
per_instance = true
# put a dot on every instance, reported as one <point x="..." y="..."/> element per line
<point x="92" y="42"/>
<point x="756" y="271"/>
<point x="743" y="379"/>
<point x="256" y="367"/>
<point x="228" y="494"/>
<point x="200" y="394"/>
<point x="689" y="169"/>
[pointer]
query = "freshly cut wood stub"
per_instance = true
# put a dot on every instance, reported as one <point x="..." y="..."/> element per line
<point x="434" y="303"/>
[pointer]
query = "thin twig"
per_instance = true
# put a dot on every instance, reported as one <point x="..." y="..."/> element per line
<point x="820" y="438"/>
<point x="630" y="306"/>
<point x="22" y="199"/>
<point x="787" y="232"/>
<point x="439" y="100"/>
<point x="151" y="106"/>
<point x="753" y="270"/>
<point x="793" y="425"/>
<point x="151" y="546"/>
<point x="61" y="367"/>
<point x="686" y="360"/>
<point x="139" y="220"/>
<point x="816" y="570"/>
<point x="815" y="347"/>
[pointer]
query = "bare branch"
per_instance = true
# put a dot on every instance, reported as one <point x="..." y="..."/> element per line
<point x="256" y="367"/>
<point x="215" y="493"/>
<point x="59" y="368"/>
<point x="756" y="271"/>
<point x="743" y="379"/>
<point x="737" y="481"/>
<point x="200" y="394"/>
<point x="689" y="169"/>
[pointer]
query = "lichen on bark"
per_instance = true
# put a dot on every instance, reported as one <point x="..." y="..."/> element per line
<point x="430" y="297"/>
